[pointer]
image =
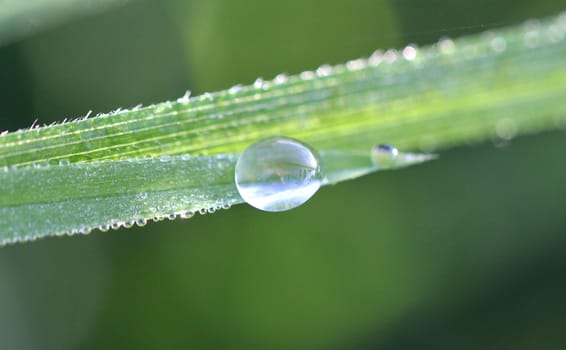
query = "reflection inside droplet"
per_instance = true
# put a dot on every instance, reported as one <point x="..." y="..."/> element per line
<point x="277" y="174"/>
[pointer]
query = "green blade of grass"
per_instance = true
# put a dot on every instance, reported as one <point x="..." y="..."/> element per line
<point x="71" y="177"/>
<point x="76" y="198"/>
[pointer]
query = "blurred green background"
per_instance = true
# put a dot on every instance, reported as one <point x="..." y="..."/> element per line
<point x="465" y="252"/>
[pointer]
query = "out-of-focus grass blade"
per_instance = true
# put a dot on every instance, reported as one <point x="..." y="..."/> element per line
<point x="22" y="17"/>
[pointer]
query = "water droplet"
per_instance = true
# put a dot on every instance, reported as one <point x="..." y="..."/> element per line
<point x="409" y="52"/>
<point x="307" y="75"/>
<point x="141" y="222"/>
<point x="171" y="216"/>
<point x="498" y="44"/>
<point x="235" y="89"/>
<point x="376" y="58"/>
<point x="386" y="148"/>
<point x="128" y="224"/>
<point x="555" y="33"/>
<point x="258" y="83"/>
<point x="104" y="228"/>
<point x="390" y="56"/>
<point x="186" y="214"/>
<point x="280" y="79"/>
<point x="206" y="97"/>
<point x="277" y="174"/>
<point x="185" y="98"/>
<point x="446" y="46"/>
<point x="383" y="154"/>
<point x="324" y="70"/>
<point x="355" y="65"/>
<point x="531" y="35"/>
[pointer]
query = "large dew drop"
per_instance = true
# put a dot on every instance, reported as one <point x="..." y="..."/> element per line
<point x="277" y="174"/>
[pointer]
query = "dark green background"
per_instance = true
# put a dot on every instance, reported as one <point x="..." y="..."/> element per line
<point x="466" y="252"/>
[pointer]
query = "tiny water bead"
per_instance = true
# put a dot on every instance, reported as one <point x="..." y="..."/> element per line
<point x="383" y="154"/>
<point x="387" y="149"/>
<point x="278" y="174"/>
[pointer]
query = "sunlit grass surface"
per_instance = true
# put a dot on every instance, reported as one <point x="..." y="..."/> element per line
<point x="453" y="92"/>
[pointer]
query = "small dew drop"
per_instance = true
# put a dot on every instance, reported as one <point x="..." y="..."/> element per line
<point x="171" y="217"/>
<point x="280" y="79"/>
<point x="355" y="65"/>
<point x="531" y="39"/>
<point x="375" y="58"/>
<point x="390" y="56"/>
<point x="258" y="83"/>
<point x="128" y="224"/>
<point x="307" y="75"/>
<point x="141" y="222"/>
<point x="555" y="33"/>
<point x="277" y="174"/>
<point x="202" y="211"/>
<point x="186" y="96"/>
<point x="383" y="154"/>
<point x="446" y="46"/>
<point x="409" y="53"/>
<point x="104" y="228"/>
<point x="498" y="44"/>
<point x="235" y="89"/>
<point x="324" y="70"/>
<point x="206" y="97"/>
<point x="186" y="214"/>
